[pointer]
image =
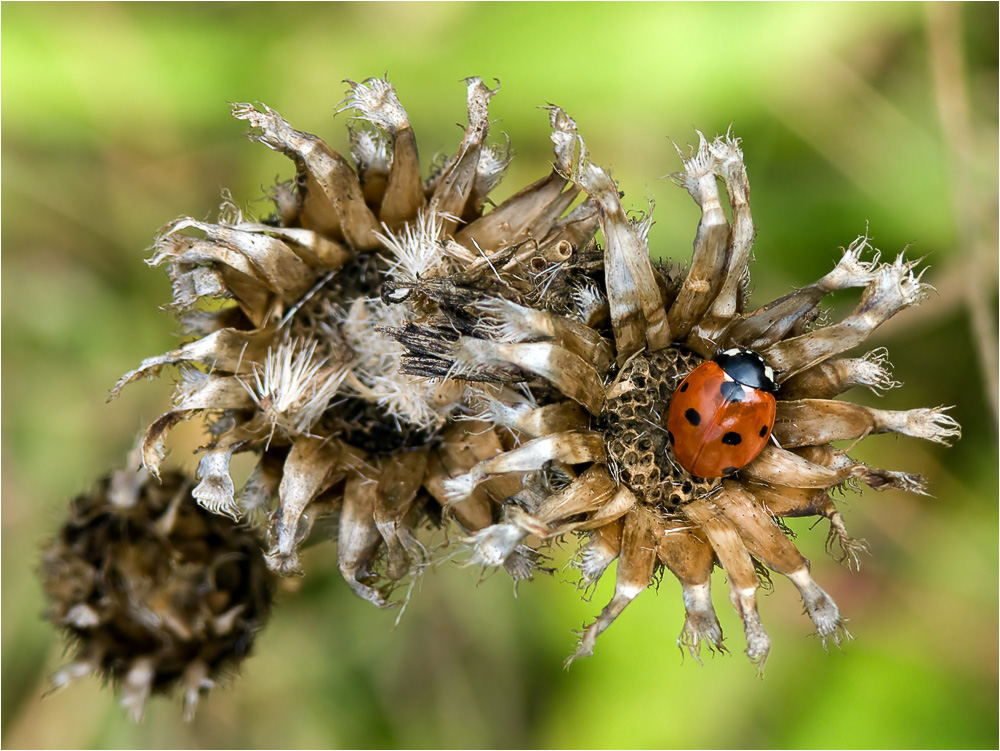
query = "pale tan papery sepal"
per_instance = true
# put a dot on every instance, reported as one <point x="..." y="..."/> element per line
<point x="894" y="288"/>
<point x="773" y="321"/>
<point x="514" y="412"/>
<point x="532" y="212"/>
<point x="781" y="500"/>
<point x="570" y="373"/>
<point x="781" y="467"/>
<point x="401" y="478"/>
<point x="603" y="547"/>
<point x="270" y="260"/>
<point x="833" y="377"/>
<point x="736" y="561"/>
<point x="691" y="559"/>
<point x="308" y="245"/>
<point x="636" y="563"/>
<point x="463" y="446"/>
<point x="707" y="336"/>
<point x="519" y="323"/>
<point x="711" y="244"/>
<point x="312" y="466"/>
<point x="813" y="422"/>
<point x="571" y="448"/>
<point x="768" y="543"/>
<point x="358" y="537"/>
<point x="226" y="350"/>
<point x="376" y="101"/>
<point x="329" y="174"/>
<point x="452" y="187"/>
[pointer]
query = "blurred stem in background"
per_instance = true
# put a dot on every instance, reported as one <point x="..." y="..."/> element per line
<point x="970" y="207"/>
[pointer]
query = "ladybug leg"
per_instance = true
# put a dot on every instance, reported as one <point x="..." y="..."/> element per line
<point x="636" y="564"/>
<point x="735" y="560"/>
<point x="691" y="560"/>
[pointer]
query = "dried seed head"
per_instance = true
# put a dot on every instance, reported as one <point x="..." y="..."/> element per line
<point x="155" y="593"/>
<point x="377" y="311"/>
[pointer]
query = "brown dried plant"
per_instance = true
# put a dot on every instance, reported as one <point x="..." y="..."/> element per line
<point x="400" y="358"/>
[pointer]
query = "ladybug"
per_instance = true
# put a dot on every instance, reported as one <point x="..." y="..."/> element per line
<point x="721" y="415"/>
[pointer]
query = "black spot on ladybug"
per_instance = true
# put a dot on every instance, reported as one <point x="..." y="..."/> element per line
<point x="728" y="470"/>
<point x="692" y="416"/>
<point x="684" y="387"/>
<point x="732" y="392"/>
<point x="670" y="438"/>
<point x="732" y="438"/>
<point x="763" y="430"/>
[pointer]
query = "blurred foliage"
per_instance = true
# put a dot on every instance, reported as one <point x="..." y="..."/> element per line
<point x="114" y="121"/>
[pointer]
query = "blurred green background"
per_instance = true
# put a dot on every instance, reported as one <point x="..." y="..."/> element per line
<point x="852" y="115"/>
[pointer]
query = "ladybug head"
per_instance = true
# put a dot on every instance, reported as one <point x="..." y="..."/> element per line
<point x="747" y="368"/>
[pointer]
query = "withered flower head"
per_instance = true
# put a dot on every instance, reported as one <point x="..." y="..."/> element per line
<point x="394" y="353"/>
<point x="155" y="592"/>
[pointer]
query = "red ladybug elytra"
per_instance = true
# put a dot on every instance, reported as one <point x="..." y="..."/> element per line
<point x="722" y="414"/>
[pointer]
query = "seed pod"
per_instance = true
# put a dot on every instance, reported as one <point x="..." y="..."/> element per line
<point x="155" y="593"/>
